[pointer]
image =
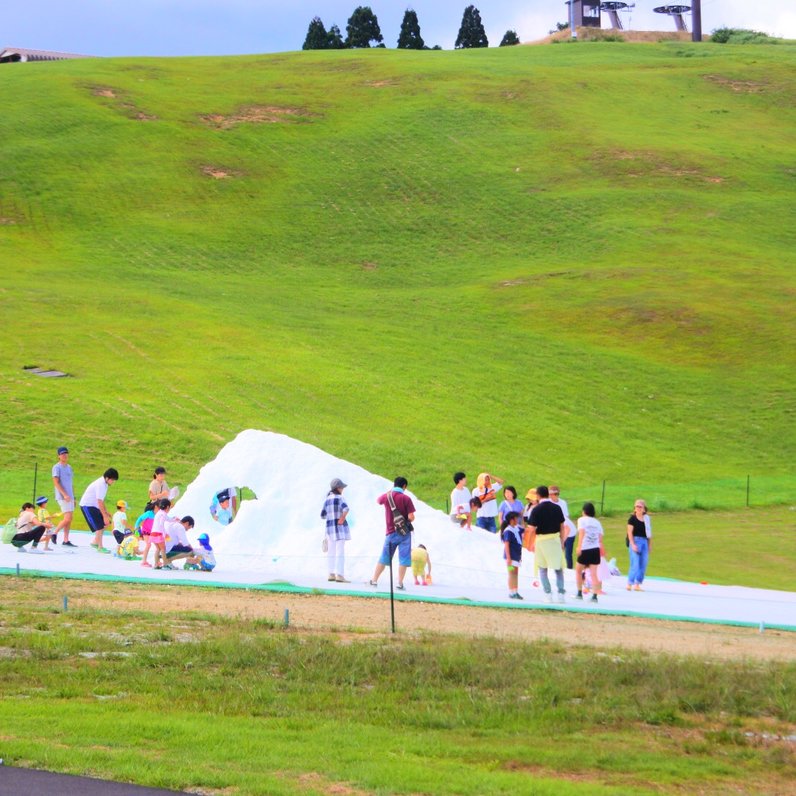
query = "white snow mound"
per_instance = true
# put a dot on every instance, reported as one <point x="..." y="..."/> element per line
<point x="280" y="532"/>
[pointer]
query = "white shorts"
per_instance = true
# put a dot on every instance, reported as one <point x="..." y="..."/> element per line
<point x="66" y="505"/>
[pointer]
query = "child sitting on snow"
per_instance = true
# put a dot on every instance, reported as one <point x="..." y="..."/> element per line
<point x="204" y="558"/>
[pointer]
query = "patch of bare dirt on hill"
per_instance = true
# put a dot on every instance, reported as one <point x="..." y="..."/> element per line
<point x="641" y="163"/>
<point x="218" y="173"/>
<point x="256" y="114"/>
<point x="359" y="617"/>
<point x="738" y="86"/>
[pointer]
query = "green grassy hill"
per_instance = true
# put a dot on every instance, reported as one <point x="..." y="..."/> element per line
<point x="562" y="263"/>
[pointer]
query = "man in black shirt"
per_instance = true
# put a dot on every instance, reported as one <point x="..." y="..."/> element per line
<point x="548" y="532"/>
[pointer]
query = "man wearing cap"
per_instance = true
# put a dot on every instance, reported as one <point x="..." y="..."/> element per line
<point x="223" y="512"/>
<point x="64" y="494"/>
<point x="335" y="511"/>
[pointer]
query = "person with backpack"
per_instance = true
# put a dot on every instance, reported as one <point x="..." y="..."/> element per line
<point x="399" y="513"/>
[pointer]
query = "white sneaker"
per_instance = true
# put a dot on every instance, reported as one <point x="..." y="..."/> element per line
<point x="35" y="550"/>
<point x="561" y="598"/>
<point x="548" y="598"/>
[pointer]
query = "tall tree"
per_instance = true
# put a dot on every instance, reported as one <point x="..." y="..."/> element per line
<point x="335" y="39"/>
<point x="471" y="32"/>
<point x="317" y="37"/>
<point x="363" y="28"/>
<point x="410" y="38"/>
<point x="509" y="39"/>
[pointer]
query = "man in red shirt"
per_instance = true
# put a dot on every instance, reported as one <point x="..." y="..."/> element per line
<point x="393" y="539"/>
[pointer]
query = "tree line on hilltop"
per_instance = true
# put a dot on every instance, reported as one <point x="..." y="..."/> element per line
<point x="363" y="30"/>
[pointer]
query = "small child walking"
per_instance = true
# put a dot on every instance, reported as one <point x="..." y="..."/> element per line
<point x="421" y="565"/>
<point x="590" y="551"/>
<point x="511" y="535"/>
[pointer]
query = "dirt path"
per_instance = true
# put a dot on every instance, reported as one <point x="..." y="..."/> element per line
<point x="372" y="615"/>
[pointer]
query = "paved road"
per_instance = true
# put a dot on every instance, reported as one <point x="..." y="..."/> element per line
<point x="25" y="781"/>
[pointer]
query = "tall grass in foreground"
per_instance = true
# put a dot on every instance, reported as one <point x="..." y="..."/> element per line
<point x="206" y="702"/>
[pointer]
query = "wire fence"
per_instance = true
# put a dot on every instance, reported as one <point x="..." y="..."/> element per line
<point x="611" y="498"/>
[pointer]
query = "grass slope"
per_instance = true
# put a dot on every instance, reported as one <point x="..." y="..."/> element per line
<point x="560" y="263"/>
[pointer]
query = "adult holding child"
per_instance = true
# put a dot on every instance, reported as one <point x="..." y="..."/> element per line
<point x="63" y="478"/>
<point x="486" y="491"/>
<point x="639" y="542"/>
<point x="338" y="532"/>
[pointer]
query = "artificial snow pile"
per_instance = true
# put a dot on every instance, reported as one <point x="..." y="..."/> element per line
<point x="280" y="532"/>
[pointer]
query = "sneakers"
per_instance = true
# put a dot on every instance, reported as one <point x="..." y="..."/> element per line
<point x="548" y="598"/>
<point x="579" y="596"/>
<point x="168" y="566"/>
<point x="146" y="564"/>
<point x="331" y="577"/>
<point x="372" y="583"/>
<point x="68" y="544"/>
<point x="401" y="587"/>
<point x="103" y="550"/>
<point x="341" y="579"/>
<point x="593" y="598"/>
<point x="515" y="596"/>
<point x="560" y="598"/>
<point x="35" y="550"/>
<point x="637" y="587"/>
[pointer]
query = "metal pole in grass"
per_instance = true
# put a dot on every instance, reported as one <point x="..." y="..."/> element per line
<point x="392" y="594"/>
<point x="602" y="499"/>
<point x="35" y="479"/>
<point x="748" y="478"/>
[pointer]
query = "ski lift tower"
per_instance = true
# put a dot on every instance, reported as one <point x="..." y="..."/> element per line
<point x="677" y="13"/>
<point x="612" y="8"/>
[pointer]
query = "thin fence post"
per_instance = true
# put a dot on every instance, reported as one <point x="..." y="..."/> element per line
<point x="35" y="479"/>
<point x="602" y="499"/>
<point x="392" y="593"/>
<point x="748" y="479"/>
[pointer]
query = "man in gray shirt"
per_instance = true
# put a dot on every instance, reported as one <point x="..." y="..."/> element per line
<point x="64" y="494"/>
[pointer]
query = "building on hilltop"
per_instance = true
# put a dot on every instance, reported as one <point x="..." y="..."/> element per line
<point x="17" y="54"/>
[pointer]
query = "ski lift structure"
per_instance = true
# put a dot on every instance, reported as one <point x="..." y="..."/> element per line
<point x="612" y="8"/>
<point x="586" y="13"/>
<point x="676" y="12"/>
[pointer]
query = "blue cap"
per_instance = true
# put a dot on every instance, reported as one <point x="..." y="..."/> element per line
<point x="62" y="449"/>
<point x="204" y="540"/>
<point x="40" y="501"/>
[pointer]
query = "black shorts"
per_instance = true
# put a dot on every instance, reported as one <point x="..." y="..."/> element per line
<point x="179" y="549"/>
<point x="93" y="518"/>
<point x="589" y="557"/>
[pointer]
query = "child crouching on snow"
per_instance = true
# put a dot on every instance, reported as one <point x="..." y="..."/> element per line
<point x="421" y="565"/>
<point x="204" y="558"/>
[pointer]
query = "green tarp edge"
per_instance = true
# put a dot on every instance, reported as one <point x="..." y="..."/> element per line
<point x="282" y="587"/>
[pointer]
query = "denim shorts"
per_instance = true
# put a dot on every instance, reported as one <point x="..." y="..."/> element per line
<point x="404" y="545"/>
<point x="487" y="523"/>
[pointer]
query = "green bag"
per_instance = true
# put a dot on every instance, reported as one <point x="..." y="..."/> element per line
<point x="9" y="531"/>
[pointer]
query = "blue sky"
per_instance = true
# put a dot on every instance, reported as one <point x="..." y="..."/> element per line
<point x="221" y="27"/>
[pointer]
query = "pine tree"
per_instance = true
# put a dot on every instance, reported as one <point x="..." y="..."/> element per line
<point x="363" y="28"/>
<point x="317" y="37"/>
<point x="410" y="38"/>
<point x="471" y="32"/>
<point x="335" y="39"/>
<point x="509" y="39"/>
